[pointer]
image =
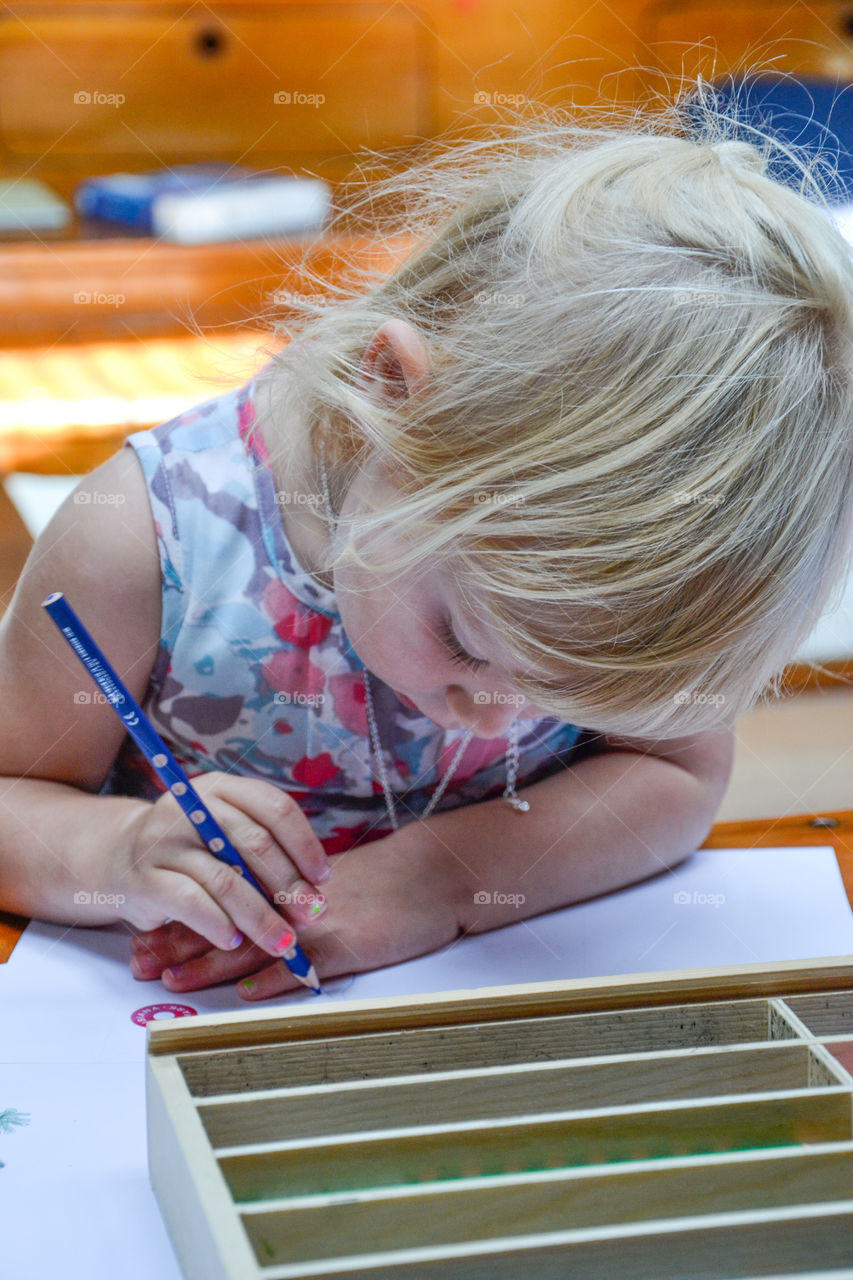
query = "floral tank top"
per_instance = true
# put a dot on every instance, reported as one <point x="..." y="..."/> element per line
<point x="255" y="674"/>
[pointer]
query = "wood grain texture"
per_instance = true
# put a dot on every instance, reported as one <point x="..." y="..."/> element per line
<point x="783" y="1241"/>
<point x="136" y="289"/>
<point x="406" y="1218"/>
<point x="11" y="928"/>
<point x="825" y="1015"/>
<point x="273" y="1114"/>
<point x="423" y="1048"/>
<point x="493" y="1004"/>
<point x="440" y="1153"/>
<point x="201" y="80"/>
<point x="719" y="37"/>
<point x="187" y="1181"/>
<point x="626" y="1153"/>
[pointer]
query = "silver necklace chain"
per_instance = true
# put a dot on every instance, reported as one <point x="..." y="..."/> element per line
<point x="376" y="747"/>
<point x="509" y="794"/>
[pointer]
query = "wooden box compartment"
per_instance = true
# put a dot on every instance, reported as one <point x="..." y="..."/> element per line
<point x="632" y="1127"/>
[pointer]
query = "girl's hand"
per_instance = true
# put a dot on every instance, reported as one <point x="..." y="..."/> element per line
<point x="386" y="904"/>
<point x="168" y="873"/>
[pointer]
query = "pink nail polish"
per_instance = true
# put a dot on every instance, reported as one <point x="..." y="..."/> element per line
<point x="174" y="972"/>
<point x="285" y="941"/>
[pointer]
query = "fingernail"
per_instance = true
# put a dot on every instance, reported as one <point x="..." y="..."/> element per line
<point x="135" y="967"/>
<point x="247" y="984"/>
<point x="174" y="972"/>
<point x="285" y="941"/>
<point x="324" y="875"/>
<point x="236" y="940"/>
<point x="319" y="907"/>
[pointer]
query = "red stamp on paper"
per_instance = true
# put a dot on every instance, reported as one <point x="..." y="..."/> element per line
<point x="161" y="1012"/>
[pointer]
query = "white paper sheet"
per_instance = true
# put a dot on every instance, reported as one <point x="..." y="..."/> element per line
<point x="74" y="1186"/>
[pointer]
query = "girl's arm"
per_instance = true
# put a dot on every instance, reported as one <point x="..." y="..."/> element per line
<point x="612" y="819"/>
<point x="67" y="853"/>
<point x="58" y="738"/>
<point x="629" y="812"/>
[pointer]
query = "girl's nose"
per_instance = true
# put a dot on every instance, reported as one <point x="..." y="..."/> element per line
<point x="488" y="713"/>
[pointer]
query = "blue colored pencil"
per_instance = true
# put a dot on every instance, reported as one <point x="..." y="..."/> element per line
<point x="162" y="761"/>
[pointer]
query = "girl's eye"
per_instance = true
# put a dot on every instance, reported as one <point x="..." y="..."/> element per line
<point x="456" y="651"/>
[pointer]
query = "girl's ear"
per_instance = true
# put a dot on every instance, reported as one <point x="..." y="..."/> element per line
<point x="396" y="363"/>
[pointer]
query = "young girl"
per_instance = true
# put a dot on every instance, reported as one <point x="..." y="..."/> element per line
<point x="451" y="610"/>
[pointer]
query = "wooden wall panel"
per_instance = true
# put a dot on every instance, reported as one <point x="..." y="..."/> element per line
<point x="813" y="39"/>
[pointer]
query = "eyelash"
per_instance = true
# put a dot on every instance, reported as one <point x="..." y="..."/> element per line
<point x="456" y="651"/>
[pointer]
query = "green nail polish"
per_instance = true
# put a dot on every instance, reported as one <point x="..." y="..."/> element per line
<point x="247" y="984"/>
<point x="317" y="908"/>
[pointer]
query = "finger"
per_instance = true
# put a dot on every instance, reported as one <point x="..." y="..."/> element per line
<point x="202" y="899"/>
<point x="174" y="933"/>
<point x="274" y="980"/>
<point x="208" y="883"/>
<point x="273" y="813"/>
<point x="212" y="968"/>
<point x="331" y="957"/>
<point x="298" y="901"/>
<point x="153" y="951"/>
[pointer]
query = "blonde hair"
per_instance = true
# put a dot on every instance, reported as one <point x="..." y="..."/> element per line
<point x="634" y="446"/>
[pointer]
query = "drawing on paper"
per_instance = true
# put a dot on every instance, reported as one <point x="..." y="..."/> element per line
<point x="9" y="1120"/>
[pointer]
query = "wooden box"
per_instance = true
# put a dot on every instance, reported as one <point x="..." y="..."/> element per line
<point x="687" y="1125"/>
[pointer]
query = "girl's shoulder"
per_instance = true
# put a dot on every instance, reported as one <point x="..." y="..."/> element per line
<point x="215" y="499"/>
<point x="221" y="424"/>
<point x="99" y="550"/>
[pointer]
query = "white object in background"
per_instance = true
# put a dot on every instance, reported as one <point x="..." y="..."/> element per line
<point x="38" y="497"/>
<point x="832" y="637"/>
<point x="842" y="215"/>
<point x="28" y="205"/>
<point x="263" y="207"/>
